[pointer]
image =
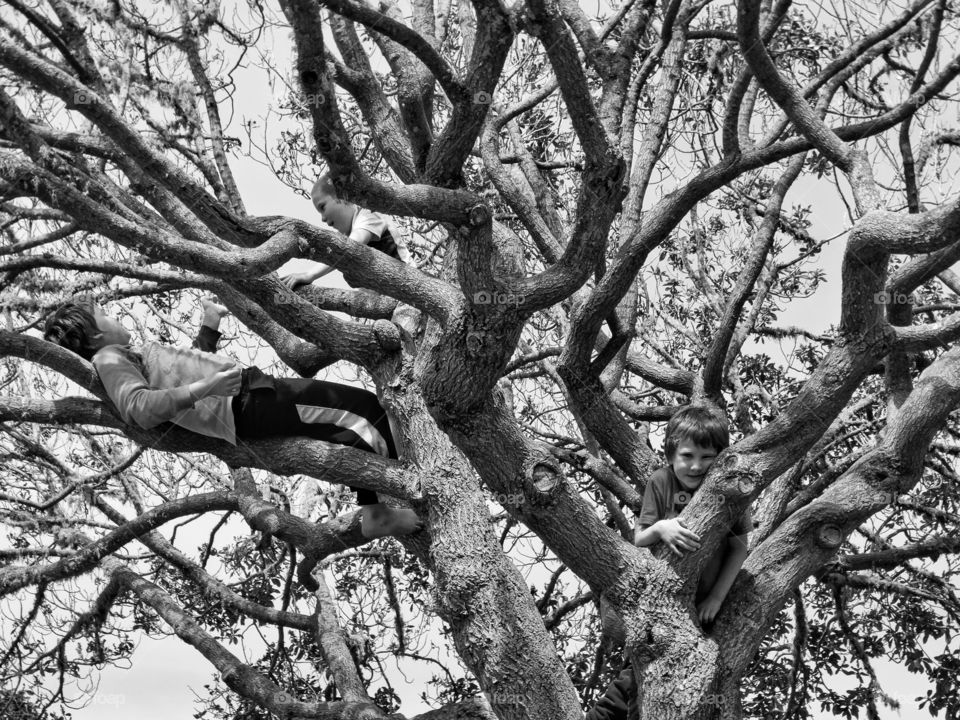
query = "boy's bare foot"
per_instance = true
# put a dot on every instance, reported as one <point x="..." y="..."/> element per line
<point x="212" y="311"/>
<point x="380" y="521"/>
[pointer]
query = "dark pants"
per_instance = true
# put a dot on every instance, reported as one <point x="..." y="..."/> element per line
<point x="267" y="406"/>
<point x="619" y="700"/>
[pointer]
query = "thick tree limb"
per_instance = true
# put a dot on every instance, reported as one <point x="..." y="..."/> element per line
<point x="282" y="456"/>
<point x="930" y="548"/>
<point x="365" y="267"/>
<point x="520" y="198"/>
<point x="408" y="38"/>
<point x="785" y="94"/>
<point x="380" y="116"/>
<point x="426" y="201"/>
<point x="494" y="38"/>
<point x="545" y="22"/>
<point x="334" y="648"/>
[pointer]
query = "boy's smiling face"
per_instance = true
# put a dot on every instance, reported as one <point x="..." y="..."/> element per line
<point x="691" y="462"/>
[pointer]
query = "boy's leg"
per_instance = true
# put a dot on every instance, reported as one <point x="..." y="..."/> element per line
<point x="344" y="414"/>
<point x="357" y="420"/>
<point x="206" y="340"/>
<point x="209" y="334"/>
<point x="338" y="414"/>
<point x="615" y="700"/>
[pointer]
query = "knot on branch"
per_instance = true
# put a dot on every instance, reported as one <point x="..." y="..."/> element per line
<point x="475" y="341"/>
<point x="387" y="335"/>
<point x="738" y="474"/>
<point x="829" y="536"/>
<point x="645" y="645"/>
<point x="479" y="215"/>
<point x="461" y="590"/>
<point x="542" y="480"/>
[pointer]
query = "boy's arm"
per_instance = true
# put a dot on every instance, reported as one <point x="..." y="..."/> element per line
<point x="646" y="532"/>
<point x="653" y="528"/>
<point x="644" y="536"/>
<point x="317" y="271"/>
<point x="363" y="236"/>
<point x="209" y="334"/>
<point x="709" y="607"/>
<point x="367" y="227"/>
<point x="736" y="554"/>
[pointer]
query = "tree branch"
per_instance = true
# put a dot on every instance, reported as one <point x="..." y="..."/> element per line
<point x="425" y="52"/>
<point x="240" y="678"/>
<point x="88" y="557"/>
<point x="785" y="94"/>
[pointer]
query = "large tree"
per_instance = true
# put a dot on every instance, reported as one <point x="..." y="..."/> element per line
<point x="597" y="208"/>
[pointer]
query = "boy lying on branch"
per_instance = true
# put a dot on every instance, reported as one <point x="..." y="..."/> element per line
<point x="211" y="395"/>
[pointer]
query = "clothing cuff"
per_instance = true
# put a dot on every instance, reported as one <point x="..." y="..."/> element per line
<point x="208" y="333"/>
<point x="182" y="399"/>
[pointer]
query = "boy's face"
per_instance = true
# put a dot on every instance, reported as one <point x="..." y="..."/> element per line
<point x="691" y="462"/>
<point x="334" y="212"/>
<point x="113" y="331"/>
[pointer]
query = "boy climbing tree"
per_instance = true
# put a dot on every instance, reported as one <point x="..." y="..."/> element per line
<point x="695" y="436"/>
<point x="359" y="224"/>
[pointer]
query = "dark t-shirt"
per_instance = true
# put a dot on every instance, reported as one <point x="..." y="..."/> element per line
<point x="665" y="498"/>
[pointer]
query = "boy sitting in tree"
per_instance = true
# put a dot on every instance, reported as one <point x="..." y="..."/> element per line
<point x="695" y="436"/>
<point x="357" y="223"/>
<point x="211" y="395"/>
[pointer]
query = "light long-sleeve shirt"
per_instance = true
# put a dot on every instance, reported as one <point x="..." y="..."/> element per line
<point x="148" y="385"/>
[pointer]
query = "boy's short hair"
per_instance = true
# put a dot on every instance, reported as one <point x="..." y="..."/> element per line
<point x="74" y="327"/>
<point x="700" y="424"/>
<point x="325" y="185"/>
